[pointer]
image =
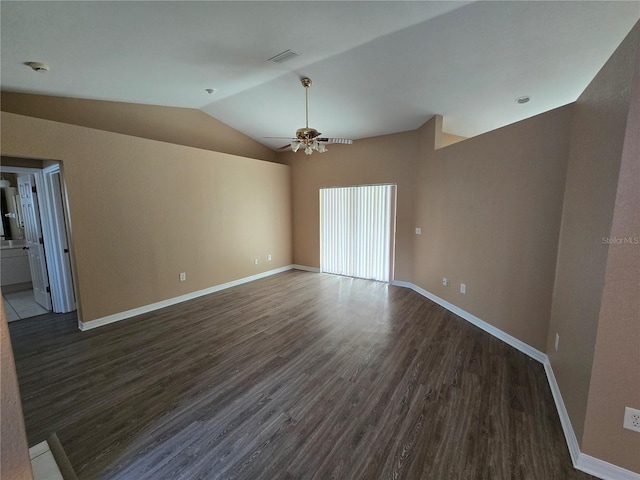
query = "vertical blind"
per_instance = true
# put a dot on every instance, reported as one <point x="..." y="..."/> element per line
<point x="356" y="231"/>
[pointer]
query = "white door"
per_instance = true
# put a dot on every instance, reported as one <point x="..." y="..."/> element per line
<point x="58" y="261"/>
<point x="33" y="234"/>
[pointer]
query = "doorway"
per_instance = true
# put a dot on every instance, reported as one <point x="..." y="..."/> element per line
<point x="36" y="264"/>
<point x="357" y="231"/>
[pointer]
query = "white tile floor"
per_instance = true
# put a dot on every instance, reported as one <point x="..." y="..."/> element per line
<point x="43" y="463"/>
<point x="19" y="305"/>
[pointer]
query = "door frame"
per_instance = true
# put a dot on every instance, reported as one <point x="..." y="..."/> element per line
<point x="55" y="223"/>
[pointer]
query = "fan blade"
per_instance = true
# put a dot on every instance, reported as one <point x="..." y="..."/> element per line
<point x="285" y="146"/>
<point x="345" y="141"/>
<point x="282" y="138"/>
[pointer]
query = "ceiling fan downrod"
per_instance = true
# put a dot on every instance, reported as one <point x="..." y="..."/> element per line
<point x="306" y="136"/>
<point x="306" y="83"/>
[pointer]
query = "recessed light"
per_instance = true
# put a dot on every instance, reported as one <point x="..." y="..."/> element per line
<point x="38" y="66"/>
<point x="522" y="100"/>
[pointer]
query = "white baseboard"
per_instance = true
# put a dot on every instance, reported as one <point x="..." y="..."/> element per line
<point x="565" y="421"/>
<point x="605" y="470"/>
<point x="496" y="332"/>
<point x="305" y="268"/>
<point x="581" y="461"/>
<point x="116" y="317"/>
<point x="402" y="283"/>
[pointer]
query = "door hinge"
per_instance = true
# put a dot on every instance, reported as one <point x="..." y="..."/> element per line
<point x="48" y="289"/>
<point x="41" y="240"/>
<point x="66" y="250"/>
<point x="33" y="189"/>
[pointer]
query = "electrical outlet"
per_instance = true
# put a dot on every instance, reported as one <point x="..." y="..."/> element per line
<point x="418" y="231"/>
<point x="255" y="261"/>
<point x="268" y="258"/>
<point x="631" y="419"/>
<point x="445" y="281"/>
<point x="463" y="288"/>
<point x="557" y="341"/>
<point x="183" y="276"/>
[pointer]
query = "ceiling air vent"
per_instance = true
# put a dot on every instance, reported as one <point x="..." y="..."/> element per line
<point x="283" y="57"/>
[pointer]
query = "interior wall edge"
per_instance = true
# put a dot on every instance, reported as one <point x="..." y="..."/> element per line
<point x="615" y="374"/>
<point x="597" y="137"/>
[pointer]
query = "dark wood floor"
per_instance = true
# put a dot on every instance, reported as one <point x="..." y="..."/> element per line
<point x="298" y="375"/>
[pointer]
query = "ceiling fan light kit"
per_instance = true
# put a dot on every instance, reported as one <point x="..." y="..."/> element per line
<point x="309" y="138"/>
<point x="309" y="146"/>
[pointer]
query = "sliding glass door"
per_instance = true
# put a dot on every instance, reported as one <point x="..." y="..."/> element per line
<point x="357" y="231"/>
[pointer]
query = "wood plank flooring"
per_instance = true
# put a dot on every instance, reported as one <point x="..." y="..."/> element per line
<point x="296" y="376"/>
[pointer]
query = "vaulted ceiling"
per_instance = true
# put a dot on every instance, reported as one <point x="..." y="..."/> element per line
<point x="377" y="67"/>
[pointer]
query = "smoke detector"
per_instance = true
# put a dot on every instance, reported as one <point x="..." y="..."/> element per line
<point x="38" y="66"/>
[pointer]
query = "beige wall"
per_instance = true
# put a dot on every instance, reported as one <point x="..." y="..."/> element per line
<point x="386" y="159"/>
<point x="615" y="376"/>
<point x="597" y="135"/>
<point x="143" y="211"/>
<point x="489" y="209"/>
<point x="14" y="453"/>
<point x="182" y="126"/>
<point x="449" y="139"/>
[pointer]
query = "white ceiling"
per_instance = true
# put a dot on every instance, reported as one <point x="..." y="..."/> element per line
<point x="378" y="67"/>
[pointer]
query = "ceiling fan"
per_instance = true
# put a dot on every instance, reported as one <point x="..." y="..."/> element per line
<point x="309" y="138"/>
